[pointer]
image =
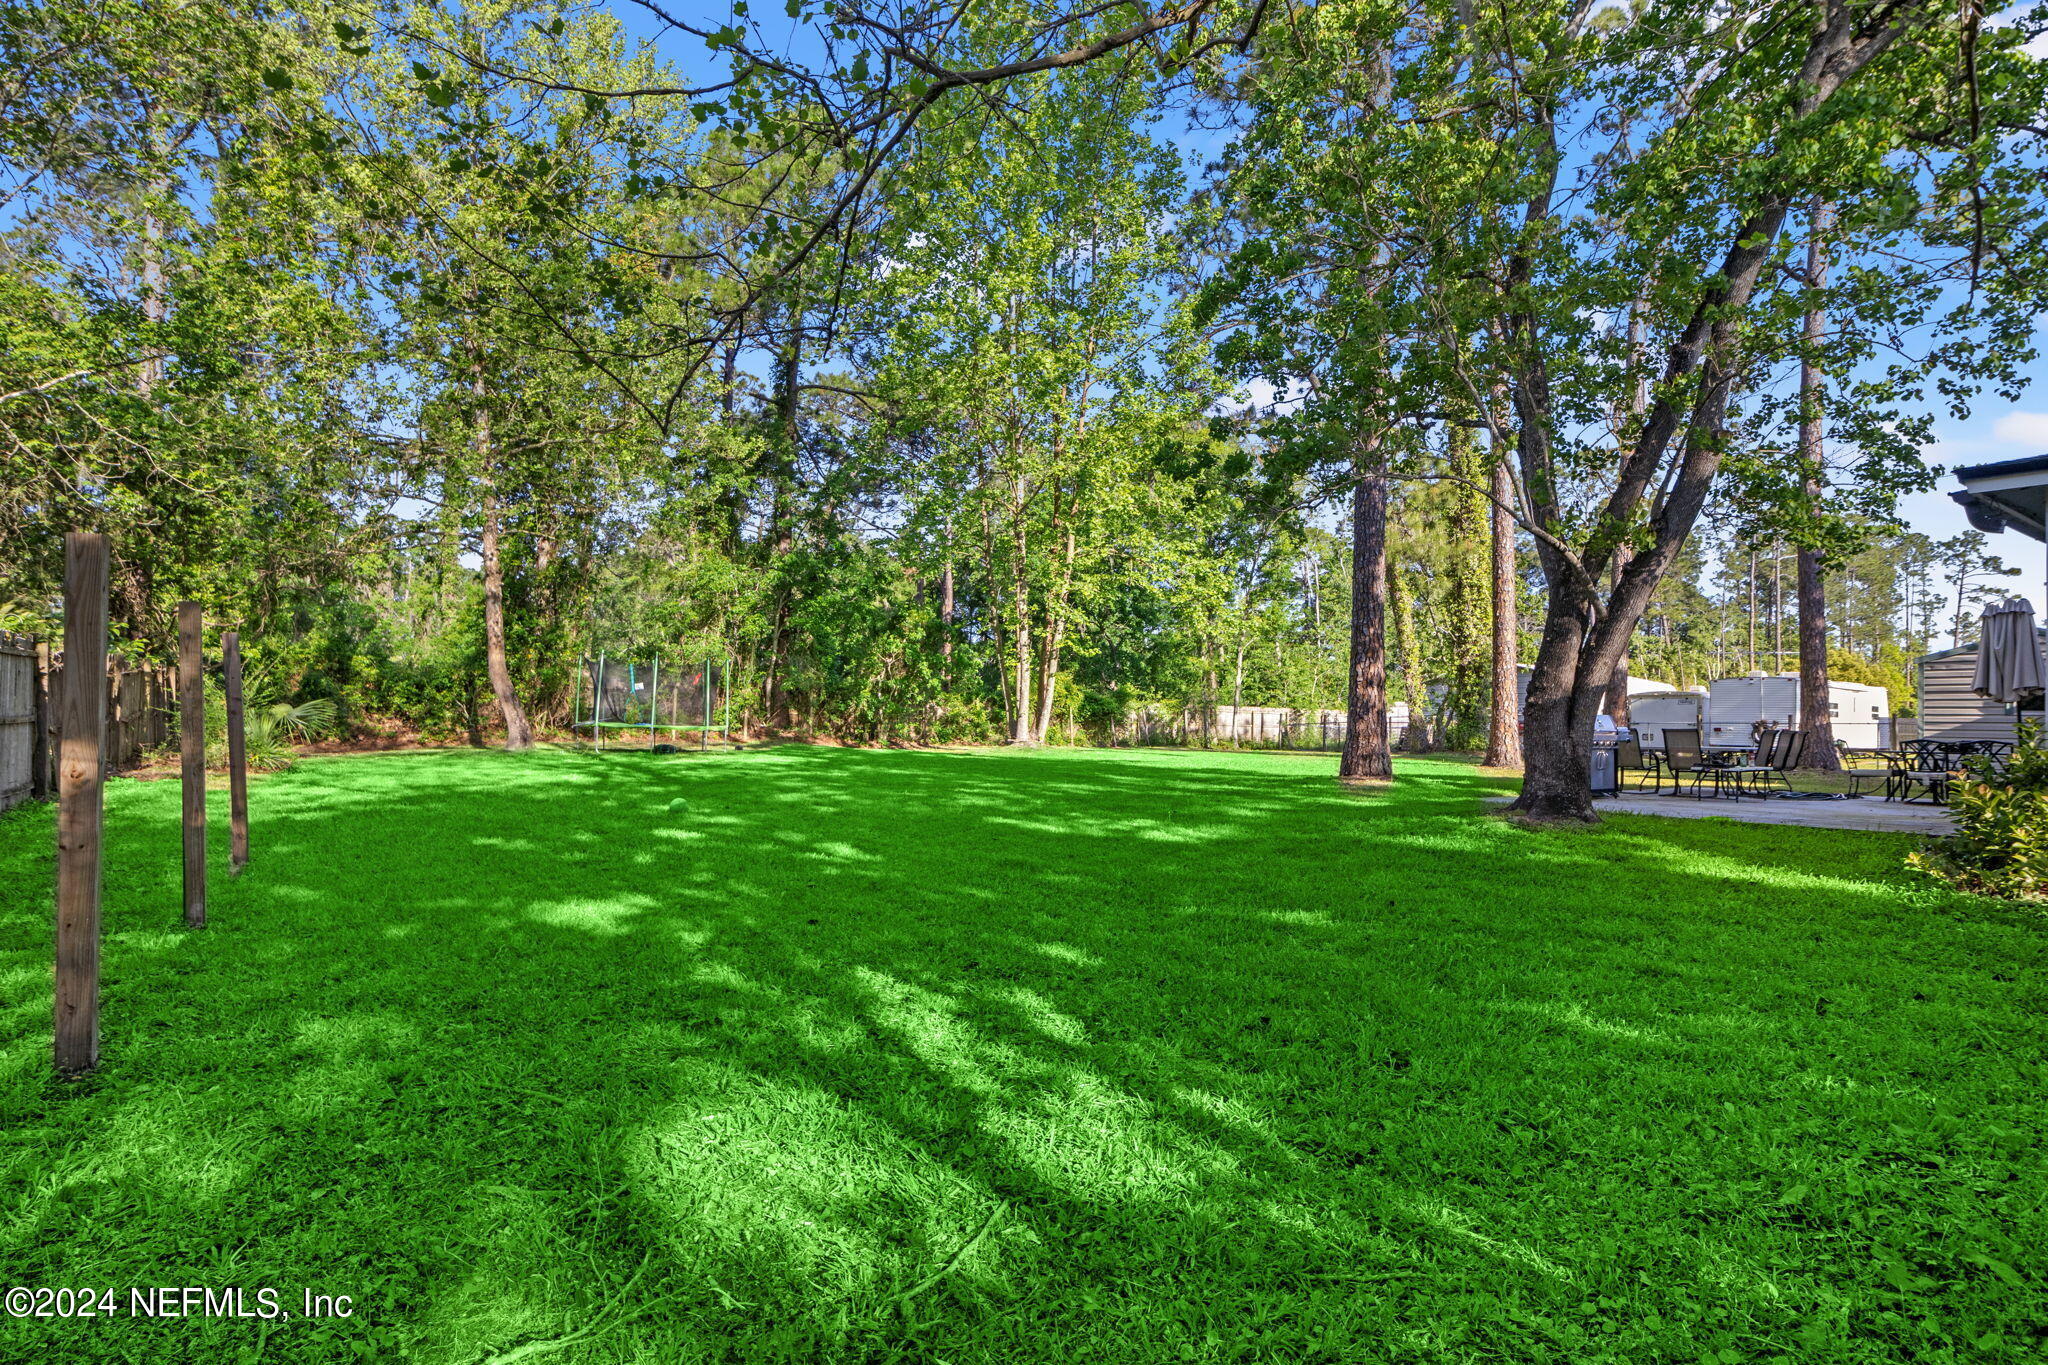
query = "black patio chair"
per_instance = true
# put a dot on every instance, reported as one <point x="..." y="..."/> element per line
<point x="1776" y="752"/>
<point x="1681" y="758"/>
<point x="1790" y="750"/>
<point x="1629" y="758"/>
<point x="1999" y="751"/>
<point x="1923" y="764"/>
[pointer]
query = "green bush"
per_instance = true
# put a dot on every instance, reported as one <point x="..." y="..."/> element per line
<point x="271" y="728"/>
<point x="2000" y="847"/>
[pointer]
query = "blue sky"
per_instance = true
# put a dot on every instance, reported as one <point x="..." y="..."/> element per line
<point x="1995" y="431"/>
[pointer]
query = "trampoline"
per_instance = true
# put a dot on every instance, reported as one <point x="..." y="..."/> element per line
<point x="624" y="700"/>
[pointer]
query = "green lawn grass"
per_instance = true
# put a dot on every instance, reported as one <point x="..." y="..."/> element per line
<point x="1021" y="1057"/>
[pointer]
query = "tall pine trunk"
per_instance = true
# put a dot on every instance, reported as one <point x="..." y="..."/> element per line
<point x="1814" y="717"/>
<point x="781" y="532"/>
<point x="1366" y="755"/>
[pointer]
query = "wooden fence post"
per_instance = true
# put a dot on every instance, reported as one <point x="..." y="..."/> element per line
<point x="238" y="756"/>
<point x="81" y="773"/>
<point x="192" y="753"/>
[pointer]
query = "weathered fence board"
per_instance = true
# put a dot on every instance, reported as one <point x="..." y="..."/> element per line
<point x="20" y="706"/>
<point x="31" y="676"/>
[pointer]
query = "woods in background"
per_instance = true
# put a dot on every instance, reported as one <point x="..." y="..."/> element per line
<point x="995" y="381"/>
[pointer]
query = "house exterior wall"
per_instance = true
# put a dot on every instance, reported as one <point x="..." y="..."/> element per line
<point x="1950" y="710"/>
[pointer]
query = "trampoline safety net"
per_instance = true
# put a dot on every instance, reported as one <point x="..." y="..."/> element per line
<point x="651" y="695"/>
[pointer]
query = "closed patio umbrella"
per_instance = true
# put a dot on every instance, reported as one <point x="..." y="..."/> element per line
<point x="2009" y="656"/>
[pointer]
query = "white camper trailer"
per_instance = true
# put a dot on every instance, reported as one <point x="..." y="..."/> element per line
<point x="1859" y="714"/>
<point x="1654" y="712"/>
<point x="1637" y="687"/>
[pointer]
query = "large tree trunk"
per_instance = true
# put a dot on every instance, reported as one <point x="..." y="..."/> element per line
<point x="1617" y="681"/>
<point x="1583" y="638"/>
<point x="1813" y="609"/>
<point x="1048" y="681"/>
<point x="518" y="734"/>
<point x="1504" y="734"/>
<point x="1053" y="636"/>
<point x="1565" y="692"/>
<point x="1366" y="755"/>
<point x="781" y="515"/>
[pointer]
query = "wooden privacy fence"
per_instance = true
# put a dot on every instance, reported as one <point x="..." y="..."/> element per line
<point x="1249" y="727"/>
<point x="24" y="728"/>
<point x="138" y="715"/>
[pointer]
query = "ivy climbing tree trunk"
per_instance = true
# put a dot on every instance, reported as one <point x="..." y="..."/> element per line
<point x="1465" y="597"/>
<point x="1421" y="736"/>
<point x="1504" y="728"/>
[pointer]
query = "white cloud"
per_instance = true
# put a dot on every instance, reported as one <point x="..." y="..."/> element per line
<point x="1260" y="395"/>
<point x="2024" y="428"/>
<point x="1265" y="396"/>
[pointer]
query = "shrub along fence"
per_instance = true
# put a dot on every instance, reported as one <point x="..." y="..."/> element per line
<point x="138" y="715"/>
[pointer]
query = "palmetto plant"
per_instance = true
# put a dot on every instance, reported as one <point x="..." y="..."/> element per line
<point x="271" y="727"/>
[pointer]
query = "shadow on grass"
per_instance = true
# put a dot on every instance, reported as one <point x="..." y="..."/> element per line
<point x="997" y="1056"/>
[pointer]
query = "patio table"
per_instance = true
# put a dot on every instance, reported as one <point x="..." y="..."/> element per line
<point x="1716" y="764"/>
<point x="1728" y="768"/>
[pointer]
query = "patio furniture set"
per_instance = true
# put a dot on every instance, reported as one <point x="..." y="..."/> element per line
<point x="1918" y="769"/>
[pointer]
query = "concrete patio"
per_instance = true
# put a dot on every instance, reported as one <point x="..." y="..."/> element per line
<point x="1867" y="812"/>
